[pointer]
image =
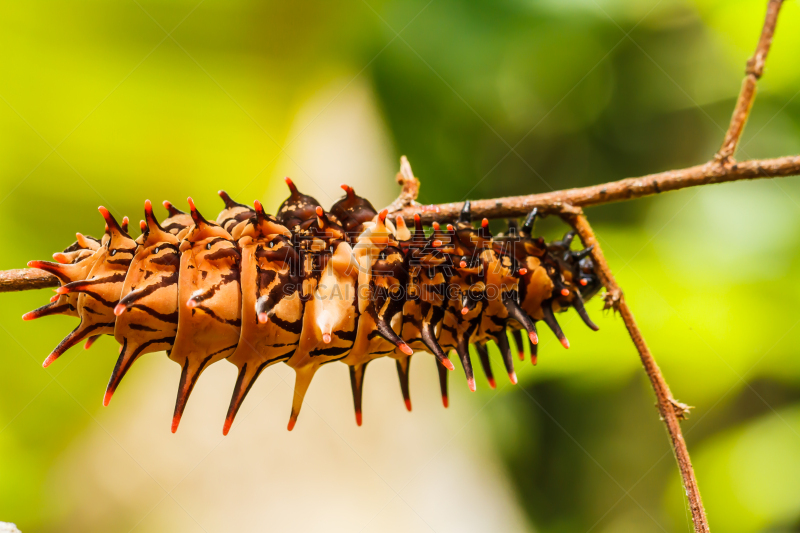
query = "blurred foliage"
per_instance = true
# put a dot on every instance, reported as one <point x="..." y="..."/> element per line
<point x="487" y="98"/>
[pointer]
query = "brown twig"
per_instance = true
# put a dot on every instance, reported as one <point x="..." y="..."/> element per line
<point x="753" y="72"/>
<point x="615" y="191"/>
<point x="26" y="279"/>
<point x="671" y="410"/>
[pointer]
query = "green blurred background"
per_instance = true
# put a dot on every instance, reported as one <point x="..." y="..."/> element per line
<point x="114" y="102"/>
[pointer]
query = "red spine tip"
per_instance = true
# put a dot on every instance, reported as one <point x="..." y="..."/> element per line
<point x="50" y="358"/>
<point x="175" y="421"/>
<point x="435" y="225"/>
<point x="464" y="310"/>
<point x="166" y="204"/>
<point x="263" y="318"/>
<point x="292" y="187"/>
<point x="512" y="377"/>
<point x="521" y="355"/>
<point x="523" y="271"/>
<point x="564" y="342"/>
<point x="535" y="340"/>
<point x="417" y="218"/>
<point x="119" y="309"/>
<point x="29" y="316"/>
<point x="534" y="359"/>
<point x="408" y="404"/>
<point x="445" y="402"/>
<point x="436" y="243"/>
<point x="584" y="282"/>
<point x="191" y="304"/>
<point x="485" y="223"/>
<point x="564" y="292"/>
<point x="191" y="203"/>
<point x="471" y="384"/>
<point x="406" y="349"/>
<point x="382" y="215"/>
<point x="54" y="298"/>
<point x="293" y="419"/>
<point x="492" y="383"/>
<point x="463" y="264"/>
<point x="62" y="290"/>
<point x="326" y="338"/>
<point x="107" y="398"/>
<point x="320" y="211"/>
<point x="227" y="426"/>
<point x="358" y="418"/>
<point x="448" y="364"/>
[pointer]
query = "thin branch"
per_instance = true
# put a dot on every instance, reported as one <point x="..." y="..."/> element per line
<point x="26" y="279"/>
<point x="671" y="410"/>
<point x="615" y="191"/>
<point x="517" y="206"/>
<point x="753" y="72"/>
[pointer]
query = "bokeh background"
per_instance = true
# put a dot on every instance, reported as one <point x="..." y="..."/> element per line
<point x="114" y="102"/>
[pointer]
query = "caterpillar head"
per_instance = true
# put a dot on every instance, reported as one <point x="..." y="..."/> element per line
<point x="588" y="279"/>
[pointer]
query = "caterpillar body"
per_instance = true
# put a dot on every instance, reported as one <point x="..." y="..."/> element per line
<point x="308" y="287"/>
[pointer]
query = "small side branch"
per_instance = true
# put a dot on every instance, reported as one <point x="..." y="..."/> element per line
<point x="753" y="72"/>
<point x="409" y="187"/>
<point x="671" y="410"/>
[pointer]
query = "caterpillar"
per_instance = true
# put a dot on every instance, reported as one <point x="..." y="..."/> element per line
<point x="308" y="287"/>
